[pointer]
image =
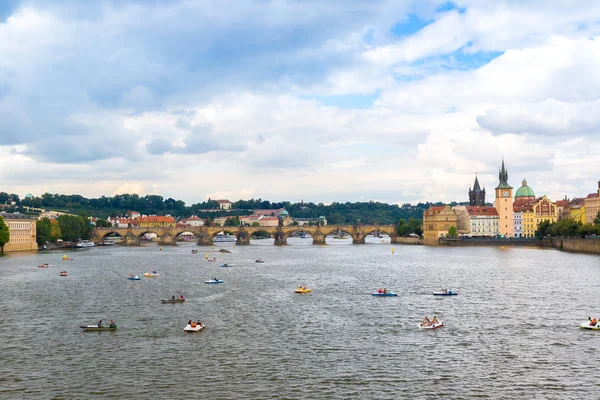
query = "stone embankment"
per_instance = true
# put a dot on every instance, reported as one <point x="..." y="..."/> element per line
<point x="579" y="245"/>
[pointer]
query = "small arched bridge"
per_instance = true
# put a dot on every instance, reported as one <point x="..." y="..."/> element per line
<point x="205" y="234"/>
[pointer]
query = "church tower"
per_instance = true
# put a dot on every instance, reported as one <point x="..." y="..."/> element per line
<point x="504" y="204"/>
<point x="476" y="196"/>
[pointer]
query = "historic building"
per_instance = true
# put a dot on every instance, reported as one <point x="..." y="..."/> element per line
<point x="476" y="220"/>
<point x="504" y="204"/>
<point x="157" y="221"/>
<point x="22" y="232"/>
<point x="224" y="204"/>
<point x="476" y="195"/>
<point x="437" y="220"/>
<point x="523" y="196"/>
<point x="592" y="205"/>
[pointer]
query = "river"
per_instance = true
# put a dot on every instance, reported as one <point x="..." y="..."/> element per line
<point x="512" y="332"/>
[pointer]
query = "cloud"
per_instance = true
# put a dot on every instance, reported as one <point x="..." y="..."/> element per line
<point x="344" y="101"/>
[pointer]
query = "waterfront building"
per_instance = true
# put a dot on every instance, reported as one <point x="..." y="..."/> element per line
<point x="484" y="221"/>
<point x="220" y="221"/>
<point x="534" y="212"/>
<point x="194" y="221"/>
<point x="437" y="220"/>
<point x="504" y="203"/>
<point x="123" y="222"/>
<point x="517" y="221"/>
<point x="592" y="205"/>
<point x="157" y="221"/>
<point x="477" y="195"/>
<point x="463" y="222"/>
<point x="22" y="232"/>
<point x="133" y="214"/>
<point x="224" y="204"/>
<point x="562" y="208"/>
<point x="577" y="211"/>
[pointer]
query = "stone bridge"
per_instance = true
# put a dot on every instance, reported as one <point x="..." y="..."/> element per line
<point x="205" y="234"/>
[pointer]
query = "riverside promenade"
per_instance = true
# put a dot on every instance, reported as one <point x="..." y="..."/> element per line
<point x="573" y="244"/>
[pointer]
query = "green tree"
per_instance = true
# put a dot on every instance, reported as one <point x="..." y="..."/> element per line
<point x="256" y="223"/>
<point x="4" y="234"/>
<point x="102" y="223"/>
<point x="543" y="228"/>
<point x="73" y="227"/>
<point x="43" y="231"/>
<point x="452" y="232"/>
<point x="232" y="221"/>
<point x="403" y="229"/>
<point x="597" y="219"/>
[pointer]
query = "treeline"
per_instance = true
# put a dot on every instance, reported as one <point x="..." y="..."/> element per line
<point x="569" y="228"/>
<point x="336" y="213"/>
<point x="69" y="228"/>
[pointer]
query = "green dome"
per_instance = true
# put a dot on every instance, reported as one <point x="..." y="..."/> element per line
<point x="525" y="191"/>
<point x="284" y="213"/>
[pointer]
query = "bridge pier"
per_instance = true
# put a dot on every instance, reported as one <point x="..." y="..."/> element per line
<point x="242" y="241"/>
<point x="358" y="239"/>
<point x="280" y="238"/>
<point x="167" y="240"/>
<point x="318" y="238"/>
<point x="131" y="241"/>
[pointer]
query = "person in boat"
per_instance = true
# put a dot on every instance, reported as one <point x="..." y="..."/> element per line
<point x="380" y="290"/>
<point x="173" y="297"/>
<point x="385" y="291"/>
<point x="190" y="322"/>
<point x="193" y="324"/>
<point x="434" y="321"/>
<point x="304" y="288"/>
<point x="112" y="324"/>
<point x="425" y="321"/>
<point x="154" y="272"/>
<point x="300" y="287"/>
<point x="100" y="324"/>
<point x="199" y="323"/>
<point x="180" y="297"/>
<point x="593" y="323"/>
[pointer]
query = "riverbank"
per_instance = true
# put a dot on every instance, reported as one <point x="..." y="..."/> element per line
<point x="574" y="245"/>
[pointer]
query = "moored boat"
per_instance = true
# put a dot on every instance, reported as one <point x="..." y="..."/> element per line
<point x="226" y="238"/>
<point x="84" y="243"/>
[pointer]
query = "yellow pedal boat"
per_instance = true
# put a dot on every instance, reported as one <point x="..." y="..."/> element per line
<point x="302" y="291"/>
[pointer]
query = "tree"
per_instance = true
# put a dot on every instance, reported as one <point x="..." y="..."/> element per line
<point x="452" y="232"/>
<point x="255" y="224"/>
<point x="73" y="227"/>
<point x="543" y="228"/>
<point x="43" y="231"/>
<point x="4" y="234"/>
<point x="403" y="229"/>
<point x="295" y="223"/>
<point x="597" y="219"/>
<point x="232" y="221"/>
<point x="102" y="223"/>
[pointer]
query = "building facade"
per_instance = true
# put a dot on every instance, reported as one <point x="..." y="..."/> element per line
<point x="437" y="220"/>
<point x="504" y="204"/>
<point x="22" y="232"/>
<point x="592" y="206"/>
<point x="157" y="221"/>
<point x="484" y="221"/>
<point x="224" y="204"/>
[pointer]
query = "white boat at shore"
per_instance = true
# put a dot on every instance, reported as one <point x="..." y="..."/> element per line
<point x="84" y="243"/>
<point x="226" y="238"/>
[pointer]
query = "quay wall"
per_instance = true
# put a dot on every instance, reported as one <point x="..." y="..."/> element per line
<point x="579" y="245"/>
<point x="408" y="240"/>
<point x="527" y="242"/>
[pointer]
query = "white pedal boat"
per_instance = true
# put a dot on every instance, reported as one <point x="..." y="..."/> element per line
<point x="193" y="328"/>
<point x="432" y="326"/>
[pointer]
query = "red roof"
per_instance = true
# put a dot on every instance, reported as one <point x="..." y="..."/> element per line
<point x="563" y="203"/>
<point x="193" y="218"/>
<point x="223" y="201"/>
<point x="592" y="196"/>
<point x="481" y="210"/>
<point x="434" y="210"/>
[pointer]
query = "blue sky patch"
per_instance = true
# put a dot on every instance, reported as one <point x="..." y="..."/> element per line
<point x="407" y="27"/>
<point x="449" y="6"/>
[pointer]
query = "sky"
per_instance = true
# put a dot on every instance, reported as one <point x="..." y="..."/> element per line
<point x="345" y="100"/>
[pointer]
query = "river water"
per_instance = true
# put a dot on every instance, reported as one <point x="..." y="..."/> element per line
<point x="512" y="332"/>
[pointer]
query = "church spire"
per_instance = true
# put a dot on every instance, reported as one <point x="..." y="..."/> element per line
<point x="503" y="177"/>
<point x="476" y="184"/>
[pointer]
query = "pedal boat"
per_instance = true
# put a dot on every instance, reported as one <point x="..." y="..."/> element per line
<point x="193" y="328"/>
<point x="431" y="327"/>
<point x="96" y="328"/>
<point x="212" y="281"/>
<point x="302" y="291"/>
<point x="170" y="301"/>
<point x="151" y="274"/>
<point x="388" y="294"/>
